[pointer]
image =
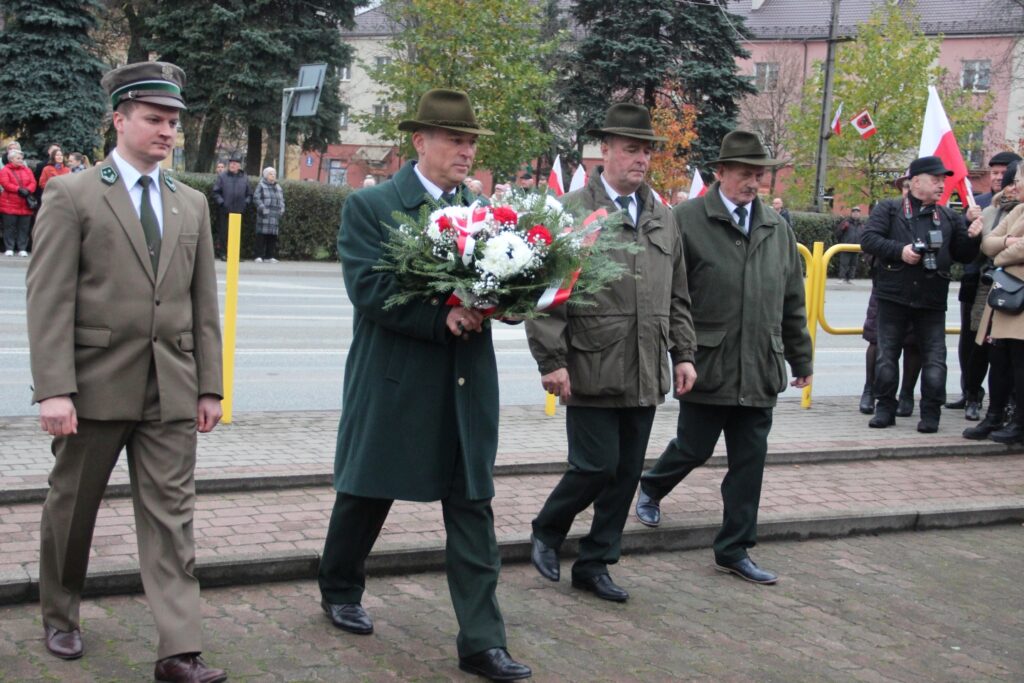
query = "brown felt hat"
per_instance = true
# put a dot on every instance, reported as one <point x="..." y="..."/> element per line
<point x="157" y="83"/>
<point x="629" y="121"/>
<point x="744" y="147"/>
<point x="448" y="109"/>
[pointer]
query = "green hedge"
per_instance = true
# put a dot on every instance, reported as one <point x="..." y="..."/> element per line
<point x="309" y="227"/>
<point x="813" y="227"/>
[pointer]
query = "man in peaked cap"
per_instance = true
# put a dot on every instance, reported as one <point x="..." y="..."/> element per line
<point x="610" y="362"/>
<point x="419" y="416"/>
<point x="747" y="301"/>
<point x="125" y="344"/>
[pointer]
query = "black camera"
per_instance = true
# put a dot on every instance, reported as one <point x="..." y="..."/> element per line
<point x="928" y="248"/>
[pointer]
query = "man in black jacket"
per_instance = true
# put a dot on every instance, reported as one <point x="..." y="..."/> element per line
<point x="232" y="193"/>
<point x="916" y="242"/>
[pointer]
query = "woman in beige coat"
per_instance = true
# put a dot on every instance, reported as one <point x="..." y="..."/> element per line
<point x="1005" y="246"/>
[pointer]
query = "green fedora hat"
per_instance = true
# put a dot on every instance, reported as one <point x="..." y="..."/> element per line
<point x="448" y="109"/>
<point x="629" y="121"/>
<point x="744" y="147"/>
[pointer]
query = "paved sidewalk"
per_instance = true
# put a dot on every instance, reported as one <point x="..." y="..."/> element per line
<point x="941" y="609"/>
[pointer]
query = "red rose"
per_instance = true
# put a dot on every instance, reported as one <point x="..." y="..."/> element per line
<point x="444" y="224"/>
<point x="538" y="233"/>
<point x="503" y="214"/>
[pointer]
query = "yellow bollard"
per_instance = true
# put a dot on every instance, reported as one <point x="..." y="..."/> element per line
<point x="813" y="306"/>
<point x="231" y="313"/>
<point x="549" y="405"/>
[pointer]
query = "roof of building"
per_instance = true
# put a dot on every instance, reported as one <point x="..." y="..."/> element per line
<point x="809" y="19"/>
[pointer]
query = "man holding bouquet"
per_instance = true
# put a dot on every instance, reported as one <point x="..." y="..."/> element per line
<point x="420" y="404"/>
<point x="609" y="362"/>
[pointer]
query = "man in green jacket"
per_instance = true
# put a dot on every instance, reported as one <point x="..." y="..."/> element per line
<point x="419" y="414"/>
<point x="747" y="295"/>
<point x="609" y="362"/>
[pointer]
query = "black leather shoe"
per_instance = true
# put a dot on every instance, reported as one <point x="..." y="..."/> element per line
<point x="602" y="586"/>
<point x="748" y="571"/>
<point x="545" y="559"/>
<point x="188" y="668"/>
<point x="983" y="429"/>
<point x="905" y="407"/>
<point x="63" y="644"/>
<point x="958" y="404"/>
<point x="867" y="401"/>
<point x="648" y="510"/>
<point x="1011" y="433"/>
<point x="349" y="617"/>
<point x="495" y="664"/>
<point x="881" y="420"/>
<point x="928" y="426"/>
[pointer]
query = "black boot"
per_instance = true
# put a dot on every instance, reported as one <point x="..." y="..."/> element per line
<point x="972" y="411"/>
<point x="1010" y="434"/>
<point x="867" y="400"/>
<point x="905" y="408"/>
<point x="957" y="404"/>
<point x="981" y="431"/>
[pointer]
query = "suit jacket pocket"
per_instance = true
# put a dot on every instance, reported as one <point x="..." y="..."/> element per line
<point x="185" y="342"/>
<point x="92" y="336"/>
<point x="710" y="373"/>
<point x="597" y="359"/>
<point x="188" y="238"/>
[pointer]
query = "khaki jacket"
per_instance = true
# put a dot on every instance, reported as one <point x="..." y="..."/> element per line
<point x="99" y="317"/>
<point x="1011" y="259"/>
<point x="617" y="352"/>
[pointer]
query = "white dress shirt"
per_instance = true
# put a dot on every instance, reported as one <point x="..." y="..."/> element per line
<point x="613" y="195"/>
<point x="745" y="227"/>
<point x="131" y="176"/>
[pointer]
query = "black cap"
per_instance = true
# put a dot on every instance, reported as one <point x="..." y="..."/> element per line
<point x="235" y="157"/>
<point x="1003" y="159"/>
<point x="1010" y="174"/>
<point x="929" y="165"/>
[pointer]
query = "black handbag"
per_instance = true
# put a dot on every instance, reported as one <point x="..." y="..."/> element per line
<point x="30" y="199"/>
<point x="1007" y="293"/>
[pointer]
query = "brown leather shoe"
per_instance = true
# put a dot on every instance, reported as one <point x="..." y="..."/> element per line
<point x="63" y="644"/>
<point x="187" y="668"/>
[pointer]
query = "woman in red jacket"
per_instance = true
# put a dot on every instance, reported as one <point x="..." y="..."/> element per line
<point x="54" y="168"/>
<point x="18" y="183"/>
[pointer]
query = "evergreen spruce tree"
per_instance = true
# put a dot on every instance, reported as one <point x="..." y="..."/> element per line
<point x="49" y="79"/>
<point x="636" y="50"/>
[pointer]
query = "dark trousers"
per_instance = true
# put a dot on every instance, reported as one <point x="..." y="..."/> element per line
<point x="16" y="232"/>
<point x="848" y="264"/>
<point x="471" y="560"/>
<point x="973" y="358"/>
<point x="1015" y="358"/>
<point x="746" y="443"/>
<point x="1000" y="379"/>
<point x="930" y="332"/>
<point x="606" y="456"/>
<point x="266" y="246"/>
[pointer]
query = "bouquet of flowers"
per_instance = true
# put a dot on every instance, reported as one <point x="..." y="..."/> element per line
<point x="514" y="260"/>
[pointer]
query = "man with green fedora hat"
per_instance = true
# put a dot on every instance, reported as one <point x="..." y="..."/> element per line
<point x="748" y="309"/>
<point x="419" y="417"/>
<point x="609" y="362"/>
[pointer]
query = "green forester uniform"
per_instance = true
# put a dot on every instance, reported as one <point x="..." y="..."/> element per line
<point x="419" y="422"/>
<point x="747" y="296"/>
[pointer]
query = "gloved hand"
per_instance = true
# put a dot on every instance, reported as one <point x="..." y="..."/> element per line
<point x="22" y="192"/>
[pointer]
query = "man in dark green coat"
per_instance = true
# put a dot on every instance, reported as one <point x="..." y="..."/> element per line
<point x="420" y="405"/>
<point x="747" y="296"/>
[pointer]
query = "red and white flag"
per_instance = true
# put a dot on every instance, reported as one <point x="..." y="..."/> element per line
<point x="555" y="183"/>
<point x="937" y="139"/>
<point x="659" y="197"/>
<point x="697" y="187"/>
<point x="560" y="290"/>
<point x="864" y="125"/>
<point x="579" y="179"/>
<point x="837" y="126"/>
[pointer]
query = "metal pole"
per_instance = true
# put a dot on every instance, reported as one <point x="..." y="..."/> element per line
<point x="286" y="106"/>
<point x="826" y="109"/>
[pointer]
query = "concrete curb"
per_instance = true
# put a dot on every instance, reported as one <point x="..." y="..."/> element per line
<point x="20" y="586"/>
<point x="21" y="496"/>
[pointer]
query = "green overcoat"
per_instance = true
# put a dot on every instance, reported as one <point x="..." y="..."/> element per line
<point x="416" y="399"/>
<point x="747" y="302"/>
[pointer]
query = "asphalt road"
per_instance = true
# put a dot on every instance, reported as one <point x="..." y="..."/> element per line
<point x="295" y="326"/>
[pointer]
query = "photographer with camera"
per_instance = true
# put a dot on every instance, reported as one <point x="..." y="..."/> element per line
<point x="915" y="241"/>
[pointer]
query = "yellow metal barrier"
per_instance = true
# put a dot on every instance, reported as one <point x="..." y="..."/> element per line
<point x="231" y="313"/>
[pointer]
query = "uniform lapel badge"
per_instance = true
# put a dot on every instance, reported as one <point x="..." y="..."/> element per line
<point x="169" y="183"/>
<point x="108" y="175"/>
<point x="174" y="210"/>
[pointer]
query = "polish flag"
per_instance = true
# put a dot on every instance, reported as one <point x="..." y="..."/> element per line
<point x="837" y="126"/>
<point x="864" y="125"/>
<point x="937" y="139"/>
<point x="659" y="197"/>
<point x="697" y="187"/>
<point x="555" y="183"/>
<point x="579" y="179"/>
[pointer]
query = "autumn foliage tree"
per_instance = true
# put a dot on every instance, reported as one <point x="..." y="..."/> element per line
<point x="670" y="161"/>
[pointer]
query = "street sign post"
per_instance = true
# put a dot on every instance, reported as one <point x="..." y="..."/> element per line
<point x="301" y="100"/>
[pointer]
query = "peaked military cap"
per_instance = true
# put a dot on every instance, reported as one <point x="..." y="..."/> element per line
<point x="448" y="109"/>
<point x="157" y="83"/>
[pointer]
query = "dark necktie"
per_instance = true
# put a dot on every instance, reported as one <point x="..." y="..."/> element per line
<point x="448" y="198"/>
<point x="741" y="217"/>
<point x="150" y="224"/>
<point x="625" y="202"/>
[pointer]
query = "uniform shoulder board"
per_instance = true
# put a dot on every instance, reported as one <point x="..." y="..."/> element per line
<point x="169" y="183"/>
<point x="108" y="175"/>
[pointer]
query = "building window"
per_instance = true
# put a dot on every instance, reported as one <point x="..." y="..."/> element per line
<point x="766" y="76"/>
<point x="343" y="118"/>
<point x="974" y="148"/>
<point x="346" y="71"/>
<point x="337" y="174"/>
<point x="976" y="74"/>
<point x="382" y="61"/>
<point x="381" y="111"/>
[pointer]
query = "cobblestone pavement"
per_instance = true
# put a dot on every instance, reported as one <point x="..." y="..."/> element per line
<point x="282" y="520"/>
<point x="929" y="607"/>
<point x="274" y="444"/>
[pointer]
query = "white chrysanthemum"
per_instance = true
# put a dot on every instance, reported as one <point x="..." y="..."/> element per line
<point x="505" y="255"/>
<point x="433" y="230"/>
